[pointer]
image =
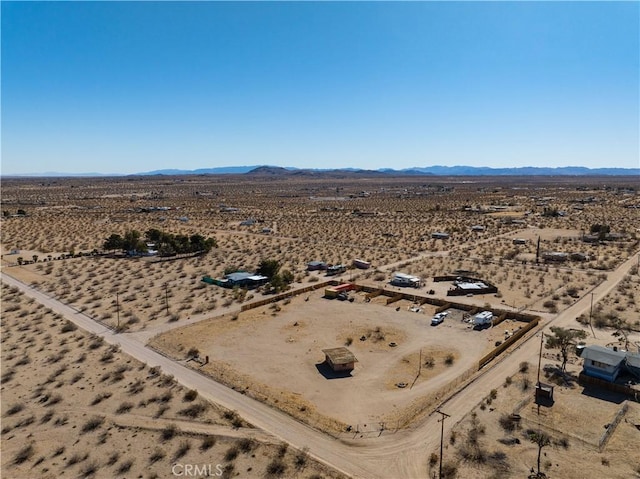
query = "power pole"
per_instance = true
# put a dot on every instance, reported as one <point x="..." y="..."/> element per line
<point x="591" y="317"/>
<point x="444" y="416"/>
<point x="118" y="311"/>
<point x="166" y="298"/>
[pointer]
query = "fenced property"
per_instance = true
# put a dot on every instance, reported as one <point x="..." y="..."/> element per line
<point x="441" y="305"/>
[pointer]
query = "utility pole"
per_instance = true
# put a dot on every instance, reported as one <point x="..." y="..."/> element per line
<point x="540" y="358"/>
<point x="166" y="298"/>
<point x="118" y="312"/>
<point x="444" y="416"/>
<point x="591" y="317"/>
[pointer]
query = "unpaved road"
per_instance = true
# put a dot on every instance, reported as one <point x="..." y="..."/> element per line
<point x="401" y="455"/>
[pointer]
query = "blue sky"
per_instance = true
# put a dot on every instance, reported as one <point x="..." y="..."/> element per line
<point x="126" y="87"/>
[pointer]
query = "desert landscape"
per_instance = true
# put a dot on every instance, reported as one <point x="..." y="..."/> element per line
<point x="559" y="251"/>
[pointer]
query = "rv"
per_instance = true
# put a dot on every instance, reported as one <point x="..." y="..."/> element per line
<point x="401" y="279"/>
<point x="361" y="264"/>
<point x="336" y="269"/>
<point x="483" y="318"/>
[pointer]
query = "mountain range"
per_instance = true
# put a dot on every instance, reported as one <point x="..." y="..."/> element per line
<point x="415" y="171"/>
<point x="436" y="170"/>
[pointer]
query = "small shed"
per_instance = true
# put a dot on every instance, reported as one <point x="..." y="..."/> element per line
<point x="544" y="392"/>
<point x="340" y="359"/>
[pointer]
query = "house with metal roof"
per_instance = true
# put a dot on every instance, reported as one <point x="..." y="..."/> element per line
<point x="242" y="279"/>
<point x="602" y="363"/>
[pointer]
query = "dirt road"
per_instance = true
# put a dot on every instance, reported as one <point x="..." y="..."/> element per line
<point x="401" y="455"/>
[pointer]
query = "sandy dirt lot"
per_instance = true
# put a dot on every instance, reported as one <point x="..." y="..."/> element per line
<point x="73" y="406"/>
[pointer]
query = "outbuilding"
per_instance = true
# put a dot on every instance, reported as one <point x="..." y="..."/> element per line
<point x="340" y="359"/>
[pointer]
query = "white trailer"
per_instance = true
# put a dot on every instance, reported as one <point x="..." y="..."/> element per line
<point x="402" y="279"/>
<point x="483" y="318"/>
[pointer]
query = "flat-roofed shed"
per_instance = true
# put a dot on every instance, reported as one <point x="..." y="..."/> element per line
<point x="340" y="359"/>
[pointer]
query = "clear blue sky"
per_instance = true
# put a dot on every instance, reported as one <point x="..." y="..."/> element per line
<point x="125" y="87"/>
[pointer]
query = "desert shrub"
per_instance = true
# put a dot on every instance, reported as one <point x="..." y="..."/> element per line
<point x="507" y="422"/>
<point x="61" y="421"/>
<point x="246" y="445"/>
<point x="182" y="450"/>
<point x="449" y="359"/>
<point x="301" y="458"/>
<point x="47" y="417"/>
<point x="282" y="450"/>
<point x="76" y="458"/>
<point x="96" y="343"/>
<point x="15" y="409"/>
<point x="190" y="395"/>
<point x="276" y="468"/>
<point x="157" y="455"/>
<point x="125" y="466"/>
<point x="136" y="387"/>
<point x="124" y="407"/>
<point x="161" y="410"/>
<point x="433" y="459"/>
<point x="113" y="458"/>
<point x="169" y="432"/>
<point x="23" y="454"/>
<point x="166" y="397"/>
<point x="231" y="453"/>
<point x="193" y="411"/>
<point x="207" y="443"/>
<point x="524" y="367"/>
<point x="92" y="424"/>
<point x="100" y="397"/>
<point x="68" y="327"/>
<point x="89" y="469"/>
<point x="193" y="353"/>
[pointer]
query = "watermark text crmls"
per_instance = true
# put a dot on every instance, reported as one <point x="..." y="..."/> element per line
<point x="197" y="470"/>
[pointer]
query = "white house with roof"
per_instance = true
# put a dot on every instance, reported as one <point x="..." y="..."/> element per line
<point x="602" y="363"/>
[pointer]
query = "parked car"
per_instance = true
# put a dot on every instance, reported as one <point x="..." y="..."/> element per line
<point x="438" y="318"/>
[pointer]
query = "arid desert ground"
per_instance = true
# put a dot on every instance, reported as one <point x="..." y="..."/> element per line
<point x="562" y="250"/>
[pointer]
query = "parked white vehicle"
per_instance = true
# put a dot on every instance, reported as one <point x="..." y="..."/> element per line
<point x="485" y="317"/>
<point x="438" y="318"/>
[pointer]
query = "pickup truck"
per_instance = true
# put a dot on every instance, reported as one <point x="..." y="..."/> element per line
<point x="438" y="318"/>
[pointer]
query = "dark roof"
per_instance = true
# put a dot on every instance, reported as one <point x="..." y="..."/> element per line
<point x="340" y="355"/>
<point x="603" y="355"/>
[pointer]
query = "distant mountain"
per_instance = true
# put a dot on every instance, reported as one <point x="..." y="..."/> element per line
<point x="436" y="170"/>
<point x="523" y="171"/>
<point x="222" y="170"/>
<point x="269" y="171"/>
<point x="57" y="174"/>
